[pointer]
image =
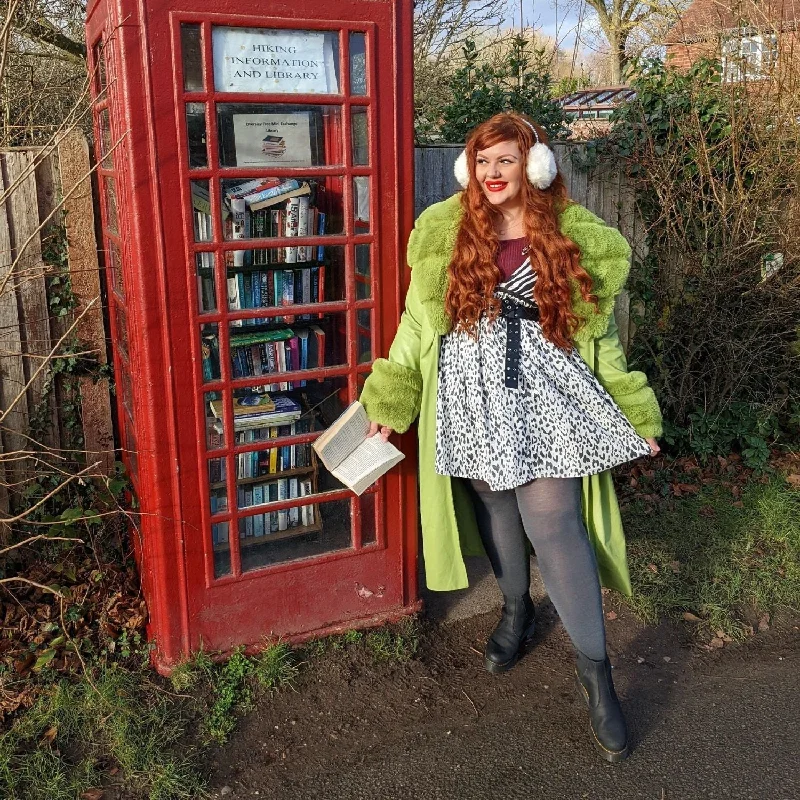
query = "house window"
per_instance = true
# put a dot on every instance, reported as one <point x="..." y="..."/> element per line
<point x="749" y="55"/>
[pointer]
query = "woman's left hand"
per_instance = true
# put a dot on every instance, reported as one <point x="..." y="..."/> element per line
<point x="654" y="448"/>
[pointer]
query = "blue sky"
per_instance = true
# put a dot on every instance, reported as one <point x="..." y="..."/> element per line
<point x="542" y="15"/>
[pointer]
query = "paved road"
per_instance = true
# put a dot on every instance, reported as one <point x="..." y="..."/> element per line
<point x="726" y="730"/>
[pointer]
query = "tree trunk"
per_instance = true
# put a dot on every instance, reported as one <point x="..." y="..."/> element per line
<point x="616" y="56"/>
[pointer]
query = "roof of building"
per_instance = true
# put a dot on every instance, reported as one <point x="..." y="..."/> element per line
<point x="598" y="97"/>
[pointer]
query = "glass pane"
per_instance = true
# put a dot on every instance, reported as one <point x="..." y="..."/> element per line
<point x="106" y="157"/>
<point x="361" y="204"/>
<point x="196" y="131"/>
<point x="127" y="391"/>
<point x="279" y="135"/>
<point x="209" y="346"/>
<point x="201" y="205"/>
<point x="358" y="64"/>
<point x="261" y="60"/>
<point x="218" y="487"/>
<point x="130" y="444"/>
<point x="312" y="406"/>
<point x="115" y="263"/>
<point x="192" y="46"/>
<point x="369" y="527"/>
<point x="100" y="66"/>
<point x="300" y="532"/>
<point x="363" y="278"/>
<point x="121" y="326"/>
<point x="364" y="327"/>
<point x="254" y="490"/>
<point x="255" y="466"/>
<point x="222" y="549"/>
<point x="361" y="379"/>
<point x="264" y="207"/>
<point x="360" y="136"/>
<point x="267" y="281"/>
<point x="111" y="205"/>
<point x="206" y="296"/>
<point x="215" y="429"/>
<point x="280" y="348"/>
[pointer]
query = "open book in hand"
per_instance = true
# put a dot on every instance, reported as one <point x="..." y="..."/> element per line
<point x="356" y="459"/>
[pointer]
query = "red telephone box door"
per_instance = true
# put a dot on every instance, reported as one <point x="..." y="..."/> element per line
<point x="283" y="218"/>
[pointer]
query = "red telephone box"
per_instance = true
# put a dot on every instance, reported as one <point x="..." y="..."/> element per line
<point x="250" y="173"/>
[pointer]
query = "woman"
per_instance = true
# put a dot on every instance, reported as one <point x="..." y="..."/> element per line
<point x="509" y="354"/>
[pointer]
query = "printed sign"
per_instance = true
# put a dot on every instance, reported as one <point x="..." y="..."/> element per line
<point x="265" y="140"/>
<point x="273" y="61"/>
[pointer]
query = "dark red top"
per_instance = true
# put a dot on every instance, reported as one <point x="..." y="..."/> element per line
<point x="510" y="255"/>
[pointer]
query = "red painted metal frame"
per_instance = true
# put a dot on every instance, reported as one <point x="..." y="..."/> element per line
<point x="146" y="104"/>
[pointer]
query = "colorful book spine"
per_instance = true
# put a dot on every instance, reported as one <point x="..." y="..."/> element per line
<point x="303" y="251"/>
<point x="291" y="228"/>
<point x="272" y="192"/>
<point x="240" y="229"/>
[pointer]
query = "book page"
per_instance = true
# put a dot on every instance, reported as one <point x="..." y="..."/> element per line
<point x="343" y="437"/>
<point x="371" y="459"/>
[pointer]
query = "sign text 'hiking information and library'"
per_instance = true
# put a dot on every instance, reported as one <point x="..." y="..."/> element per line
<point x="273" y="61"/>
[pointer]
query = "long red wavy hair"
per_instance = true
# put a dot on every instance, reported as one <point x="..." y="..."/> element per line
<point x="473" y="273"/>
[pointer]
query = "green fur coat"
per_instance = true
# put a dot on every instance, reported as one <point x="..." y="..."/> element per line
<point x="403" y="387"/>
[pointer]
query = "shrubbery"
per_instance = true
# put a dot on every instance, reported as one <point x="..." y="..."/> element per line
<point x="715" y="290"/>
<point x="520" y="81"/>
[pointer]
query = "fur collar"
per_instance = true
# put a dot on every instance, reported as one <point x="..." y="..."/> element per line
<point x="605" y="255"/>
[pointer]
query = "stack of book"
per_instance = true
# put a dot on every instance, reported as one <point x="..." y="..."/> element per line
<point x="276" y="351"/>
<point x="219" y="533"/>
<point x="274" y="521"/>
<point x="275" y="207"/>
<point x="201" y="204"/>
<point x="250" y="412"/>
<point x="258" y="463"/>
<point x="271" y="288"/>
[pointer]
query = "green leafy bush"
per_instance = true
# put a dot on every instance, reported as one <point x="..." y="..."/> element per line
<point x="520" y="82"/>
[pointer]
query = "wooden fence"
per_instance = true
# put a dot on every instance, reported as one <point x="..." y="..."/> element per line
<point x="40" y="192"/>
<point x="602" y="190"/>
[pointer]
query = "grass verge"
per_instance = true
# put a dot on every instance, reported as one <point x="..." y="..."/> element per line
<point x="727" y="563"/>
<point x="79" y="735"/>
<point x="232" y="685"/>
<point x="398" y="642"/>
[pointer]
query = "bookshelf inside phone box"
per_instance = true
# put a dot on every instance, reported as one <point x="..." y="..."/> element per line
<point x="254" y="176"/>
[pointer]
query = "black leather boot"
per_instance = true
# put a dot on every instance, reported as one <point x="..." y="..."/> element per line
<point x="605" y="714"/>
<point x="513" y="632"/>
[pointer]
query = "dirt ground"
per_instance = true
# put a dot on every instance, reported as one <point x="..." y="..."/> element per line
<point x="349" y="712"/>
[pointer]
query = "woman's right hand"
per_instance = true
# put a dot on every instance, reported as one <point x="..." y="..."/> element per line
<point x="385" y="431"/>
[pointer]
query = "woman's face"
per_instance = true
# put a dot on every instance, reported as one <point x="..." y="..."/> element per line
<point x="498" y="169"/>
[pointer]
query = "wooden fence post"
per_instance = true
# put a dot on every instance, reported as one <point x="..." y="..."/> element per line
<point x="12" y="374"/>
<point x="74" y="165"/>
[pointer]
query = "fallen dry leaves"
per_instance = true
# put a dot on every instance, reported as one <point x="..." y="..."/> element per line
<point x="663" y="478"/>
<point x="102" y="601"/>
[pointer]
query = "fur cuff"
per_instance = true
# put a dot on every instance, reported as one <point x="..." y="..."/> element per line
<point x="392" y="395"/>
<point x="643" y="412"/>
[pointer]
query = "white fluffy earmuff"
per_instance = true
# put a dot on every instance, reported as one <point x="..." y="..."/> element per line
<point x="541" y="166"/>
<point x="461" y="170"/>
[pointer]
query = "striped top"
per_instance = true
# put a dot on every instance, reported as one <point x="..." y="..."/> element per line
<point x="519" y="286"/>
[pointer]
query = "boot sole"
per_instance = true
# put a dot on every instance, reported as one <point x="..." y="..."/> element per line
<point x="612" y="756"/>
<point x="497" y="669"/>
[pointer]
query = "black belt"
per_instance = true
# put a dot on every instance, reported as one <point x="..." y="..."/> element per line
<point x="513" y="313"/>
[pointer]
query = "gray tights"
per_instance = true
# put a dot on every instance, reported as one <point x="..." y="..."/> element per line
<point x="548" y="510"/>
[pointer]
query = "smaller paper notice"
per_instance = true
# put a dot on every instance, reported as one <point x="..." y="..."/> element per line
<point x="266" y="140"/>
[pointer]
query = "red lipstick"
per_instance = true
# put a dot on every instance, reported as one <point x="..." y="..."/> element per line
<point x="495" y="186"/>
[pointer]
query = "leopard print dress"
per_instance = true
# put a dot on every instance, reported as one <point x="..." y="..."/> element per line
<point x="559" y="422"/>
